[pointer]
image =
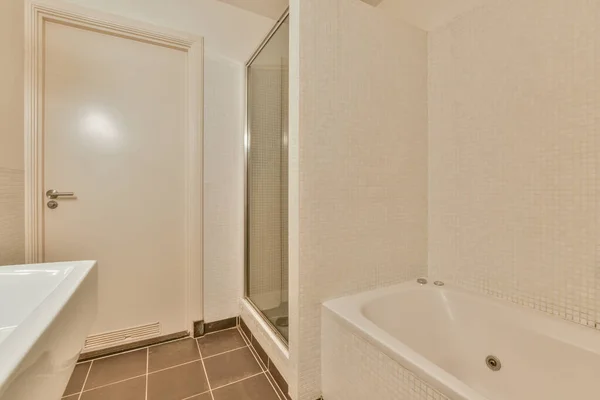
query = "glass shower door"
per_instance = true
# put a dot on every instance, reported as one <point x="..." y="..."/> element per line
<point x="267" y="180"/>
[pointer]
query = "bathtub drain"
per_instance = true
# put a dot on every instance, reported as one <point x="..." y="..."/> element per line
<point x="493" y="363"/>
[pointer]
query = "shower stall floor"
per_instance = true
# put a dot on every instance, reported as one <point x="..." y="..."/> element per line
<point x="278" y="317"/>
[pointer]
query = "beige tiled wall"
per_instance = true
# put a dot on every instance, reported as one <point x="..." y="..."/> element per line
<point x="514" y="149"/>
<point x="12" y="212"/>
<point x="12" y="217"/>
<point x="358" y="164"/>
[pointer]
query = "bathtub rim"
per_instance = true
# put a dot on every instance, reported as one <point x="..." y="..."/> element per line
<point x="25" y="336"/>
<point x="406" y="357"/>
<point x="348" y="311"/>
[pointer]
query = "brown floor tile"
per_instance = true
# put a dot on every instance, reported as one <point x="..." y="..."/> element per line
<point x="260" y="351"/>
<point x="132" y="389"/>
<point x="171" y="354"/>
<point x="255" y="388"/>
<point x="220" y="325"/>
<point x="230" y="367"/>
<point x="260" y="362"/>
<point x="274" y="384"/>
<point x="245" y="328"/>
<point x="178" y="382"/>
<point x="275" y="374"/>
<point x="73" y="397"/>
<point x="75" y="384"/>
<point x="116" y="368"/>
<point x="219" y="342"/>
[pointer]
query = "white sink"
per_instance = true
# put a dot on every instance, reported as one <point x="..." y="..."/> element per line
<point x="46" y="312"/>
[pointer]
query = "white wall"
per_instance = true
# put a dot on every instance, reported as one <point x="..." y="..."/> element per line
<point x="515" y="154"/>
<point x="230" y="36"/>
<point x="12" y="222"/>
<point x="223" y="187"/>
<point x="228" y="31"/>
<point x="358" y="164"/>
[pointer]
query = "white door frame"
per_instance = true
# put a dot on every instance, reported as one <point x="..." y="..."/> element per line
<point x="37" y="12"/>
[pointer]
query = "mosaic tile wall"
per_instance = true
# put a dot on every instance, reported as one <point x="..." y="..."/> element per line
<point x="358" y="164"/>
<point x="265" y="187"/>
<point x="12" y="217"/>
<point x="514" y="149"/>
<point x="354" y="369"/>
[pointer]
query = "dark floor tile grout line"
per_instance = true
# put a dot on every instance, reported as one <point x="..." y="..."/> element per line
<point x="113" y="383"/>
<point x="225" y="352"/>
<point x="258" y="360"/>
<point x="154" y="345"/>
<point x="244" y="337"/>
<point x="193" y="361"/>
<point x="239" y="328"/>
<point x="248" y="343"/>
<point x="113" y="355"/>
<point x="147" y="374"/>
<point x="204" y="368"/>
<point x="136" y="349"/>
<point x="147" y="367"/>
<point x="263" y="372"/>
<point x="276" y="389"/>
<point x="194" y="395"/>
<point x="239" y="380"/>
<point x="168" y="341"/>
<point x="173" y="366"/>
<point x="212" y="333"/>
<point x="85" y="380"/>
<point x="261" y="364"/>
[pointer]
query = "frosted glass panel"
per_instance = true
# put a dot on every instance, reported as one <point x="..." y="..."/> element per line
<point x="267" y="181"/>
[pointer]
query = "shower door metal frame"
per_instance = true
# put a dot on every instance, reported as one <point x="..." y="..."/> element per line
<point x="247" y="141"/>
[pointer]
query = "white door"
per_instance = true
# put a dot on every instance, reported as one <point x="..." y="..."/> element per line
<point x="115" y="123"/>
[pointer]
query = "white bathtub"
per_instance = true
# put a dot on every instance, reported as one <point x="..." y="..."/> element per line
<point x="443" y="335"/>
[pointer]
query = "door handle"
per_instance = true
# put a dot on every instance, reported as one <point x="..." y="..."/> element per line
<point x="55" y="194"/>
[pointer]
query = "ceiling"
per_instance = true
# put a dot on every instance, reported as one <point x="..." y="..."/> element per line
<point x="273" y="8"/>
<point x="425" y="14"/>
<point x="268" y="8"/>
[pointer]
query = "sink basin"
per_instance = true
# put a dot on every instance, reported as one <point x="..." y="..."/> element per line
<point x="46" y="312"/>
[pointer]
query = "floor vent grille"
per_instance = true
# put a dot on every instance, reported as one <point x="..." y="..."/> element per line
<point x="123" y="336"/>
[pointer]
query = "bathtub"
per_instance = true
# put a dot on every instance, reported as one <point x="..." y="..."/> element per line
<point x="46" y="311"/>
<point x="437" y="340"/>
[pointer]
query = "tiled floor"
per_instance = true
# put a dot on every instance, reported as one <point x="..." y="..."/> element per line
<point x="218" y="366"/>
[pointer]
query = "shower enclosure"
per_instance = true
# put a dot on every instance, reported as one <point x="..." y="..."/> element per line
<point x="266" y="258"/>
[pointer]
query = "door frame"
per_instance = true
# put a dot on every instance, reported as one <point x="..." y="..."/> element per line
<point x="37" y="13"/>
